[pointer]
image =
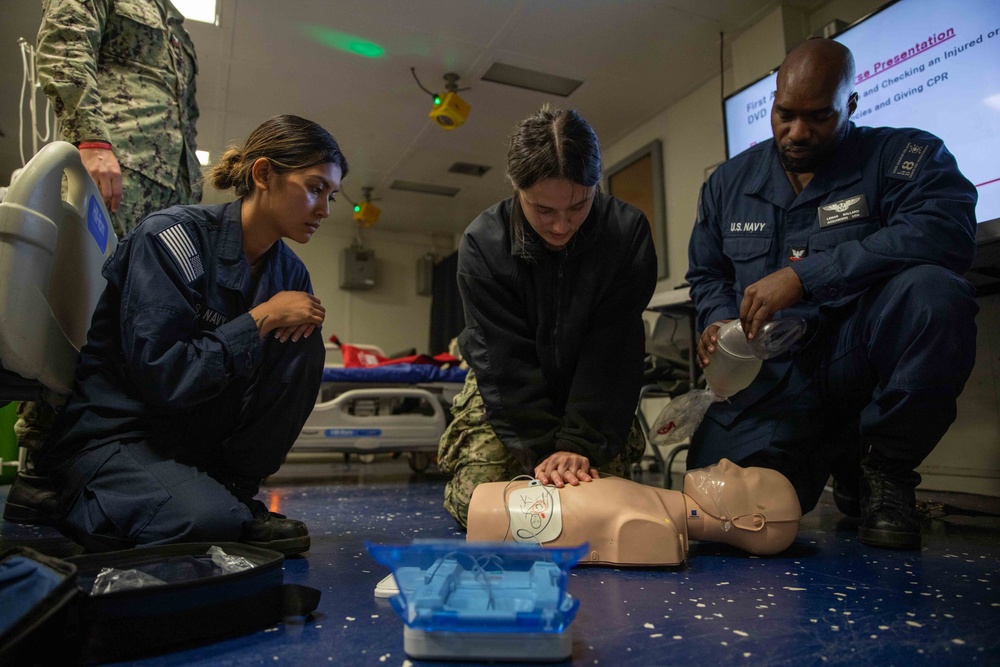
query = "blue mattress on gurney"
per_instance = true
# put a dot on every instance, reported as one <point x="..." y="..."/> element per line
<point x="400" y="373"/>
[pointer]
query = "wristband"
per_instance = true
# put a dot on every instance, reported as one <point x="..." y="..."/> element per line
<point x="102" y="145"/>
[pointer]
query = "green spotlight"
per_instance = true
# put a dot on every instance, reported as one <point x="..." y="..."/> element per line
<point x="357" y="208"/>
<point x="343" y="42"/>
<point x="437" y="100"/>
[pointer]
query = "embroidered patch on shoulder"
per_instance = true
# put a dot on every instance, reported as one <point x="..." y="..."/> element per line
<point x="179" y="244"/>
<point x="907" y="164"/>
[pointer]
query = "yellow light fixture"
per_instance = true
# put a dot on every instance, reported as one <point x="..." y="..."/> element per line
<point x="451" y="112"/>
<point x="365" y="212"/>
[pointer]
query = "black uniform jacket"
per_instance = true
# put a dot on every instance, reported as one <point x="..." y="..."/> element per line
<point x="556" y="338"/>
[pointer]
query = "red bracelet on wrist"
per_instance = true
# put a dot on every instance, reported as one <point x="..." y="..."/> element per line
<point x="102" y="145"/>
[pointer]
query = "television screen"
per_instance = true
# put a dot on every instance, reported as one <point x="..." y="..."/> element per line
<point x="928" y="64"/>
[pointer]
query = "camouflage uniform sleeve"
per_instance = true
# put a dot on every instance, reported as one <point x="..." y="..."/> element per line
<point x="69" y="41"/>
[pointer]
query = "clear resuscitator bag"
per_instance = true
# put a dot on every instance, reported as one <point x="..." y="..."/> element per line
<point x="733" y="367"/>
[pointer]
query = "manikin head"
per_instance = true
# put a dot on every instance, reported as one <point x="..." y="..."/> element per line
<point x="755" y="509"/>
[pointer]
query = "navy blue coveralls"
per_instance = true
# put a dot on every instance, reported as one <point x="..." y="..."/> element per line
<point x="879" y="238"/>
<point x="175" y="391"/>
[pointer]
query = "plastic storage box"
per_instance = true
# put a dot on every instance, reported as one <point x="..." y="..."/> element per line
<point x="483" y="600"/>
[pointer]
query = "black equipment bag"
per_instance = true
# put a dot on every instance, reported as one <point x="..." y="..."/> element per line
<point x="48" y="614"/>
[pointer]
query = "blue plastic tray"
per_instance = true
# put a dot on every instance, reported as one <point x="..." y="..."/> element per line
<point x="458" y="586"/>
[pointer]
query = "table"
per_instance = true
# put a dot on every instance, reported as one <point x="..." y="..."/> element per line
<point x="678" y="302"/>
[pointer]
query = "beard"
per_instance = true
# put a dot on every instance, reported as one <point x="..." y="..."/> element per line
<point x="803" y="159"/>
<point x="806" y="159"/>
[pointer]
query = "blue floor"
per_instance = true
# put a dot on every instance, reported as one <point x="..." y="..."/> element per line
<point x="827" y="600"/>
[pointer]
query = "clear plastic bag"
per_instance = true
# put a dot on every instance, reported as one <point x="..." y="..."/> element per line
<point x="681" y="417"/>
<point x="170" y="570"/>
<point x="111" y="579"/>
<point x="229" y="563"/>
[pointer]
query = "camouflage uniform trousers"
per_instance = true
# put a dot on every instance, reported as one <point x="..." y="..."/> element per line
<point x="472" y="453"/>
<point x="140" y="197"/>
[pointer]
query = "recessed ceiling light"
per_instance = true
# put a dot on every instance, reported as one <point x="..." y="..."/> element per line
<point x="468" y="169"/>
<point x="531" y="80"/>
<point x="206" y="11"/>
<point x="425" y="188"/>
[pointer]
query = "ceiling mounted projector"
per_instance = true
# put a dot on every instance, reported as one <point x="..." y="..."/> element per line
<point x="448" y="111"/>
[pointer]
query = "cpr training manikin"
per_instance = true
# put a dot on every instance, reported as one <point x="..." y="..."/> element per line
<point x="627" y="523"/>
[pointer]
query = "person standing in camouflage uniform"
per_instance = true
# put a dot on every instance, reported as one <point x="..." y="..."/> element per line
<point x="121" y="77"/>
<point x="553" y="283"/>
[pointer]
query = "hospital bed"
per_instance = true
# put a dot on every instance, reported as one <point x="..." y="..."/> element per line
<point x="51" y="253"/>
<point x="398" y="408"/>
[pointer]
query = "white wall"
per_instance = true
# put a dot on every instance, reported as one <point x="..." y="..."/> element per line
<point x="691" y="132"/>
<point x="391" y="315"/>
<point x="968" y="458"/>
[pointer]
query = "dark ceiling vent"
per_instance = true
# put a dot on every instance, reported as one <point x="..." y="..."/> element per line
<point x="468" y="169"/>
<point x="425" y="188"/>
<point x="531" y="80"/>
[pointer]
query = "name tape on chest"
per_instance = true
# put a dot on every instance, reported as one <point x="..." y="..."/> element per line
<point x="183" y="251"/>
<point x="749" y="228"/>
<point x="211" y="317"/>
<point x="844" y="210"/>
<point x="907" y="164"/>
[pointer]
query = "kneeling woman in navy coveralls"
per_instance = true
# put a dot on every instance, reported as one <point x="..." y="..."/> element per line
<point x="203" y="359"/>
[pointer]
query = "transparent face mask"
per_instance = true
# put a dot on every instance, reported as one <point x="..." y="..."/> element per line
<point x="776" y="337"/>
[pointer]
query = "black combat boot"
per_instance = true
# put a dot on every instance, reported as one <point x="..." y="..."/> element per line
<point x="268" y="530"/>
<point x="33" y="499"/>
<point x="274" y="531"/>
<point x="888" y="504"/>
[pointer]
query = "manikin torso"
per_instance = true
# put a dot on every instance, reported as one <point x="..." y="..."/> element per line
<point x="627" y="523"/>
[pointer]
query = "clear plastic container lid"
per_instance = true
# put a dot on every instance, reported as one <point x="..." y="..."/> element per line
<point x="772" y="339"/>
<point x="459" y="586"/>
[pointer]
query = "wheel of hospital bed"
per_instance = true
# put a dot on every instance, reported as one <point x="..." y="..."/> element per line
<point x="419" y="461"/>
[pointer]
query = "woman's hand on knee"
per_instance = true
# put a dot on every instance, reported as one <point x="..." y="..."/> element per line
<point x="565" y="468"/>
<point x="290" y="312"/>
<point x="294" y="333"/>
